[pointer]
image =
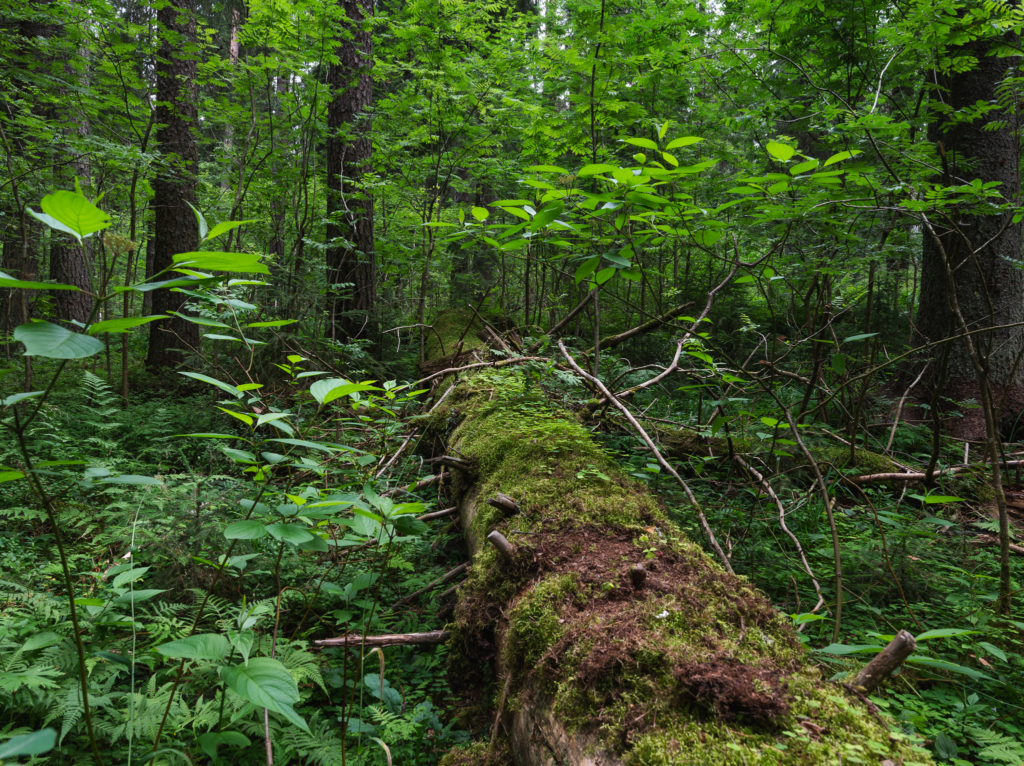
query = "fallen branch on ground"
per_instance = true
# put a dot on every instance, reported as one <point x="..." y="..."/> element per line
<point x="438" y="514"/>
<point x="439" y="581"/>
<point x="418" y="485"/>
<point x="395" y="639"/>
<point x="886" y="662"/>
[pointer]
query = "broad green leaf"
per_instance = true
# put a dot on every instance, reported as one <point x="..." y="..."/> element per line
<point x="803" y="167"/>
<point x="275" y="323"/>
<point x="321" y="388"/>
<point x="995" y="651"/>
<point x="207" y="379"/>
<point x="205" y="646"/>
<point x="317" y="544"/>
<point x="779" y="151"/>
<point x="75" y="212"/>
<point x="245" y="530"/>
<point x="130" y="576"/>
<point x="242" y="641"/>
<point x="123" y="325"/>
<point x="265" y="682"/>
<point x="204" y="321"/>
<point x="593" y="170"/>
<point x="933" y="499"/>
<point x="215" y="261"/>
<point x="53" y="223"/>
<point x="587" y="268"/>
<point x="136" y="596"/>
<point x="860" y="337"/>
<point x="707" y="237"/>
<point x="545" y="169"/>
<point x="944" y="633"/>
<point x="290" y="533"/>
<point x="55" y="342"/>
<point x="36" y="743"/>
<point x="141" y="481"/>
<point x="678" y="143"/>
<point x="145" y="287"/>
<point x="209" y="741"/>
<point x="306" y="444"/>
<point x="930" y="662"/>
<point x="6" y="280"/>
<point x="480" y="213"/>
<point x="843" y="649"/>
<point x="348" y="389"/>
<point x="546" y="215"/>
<point x="840" y="157"/>
<point x="15" y="398"/>
<point x="604" y="275"/>
<point x="240" y="415"/>
<point x="644" y="143"/>
<point x="224" y="227"/>
<point x="10" y="476"/>
<point x="41" y="641"/>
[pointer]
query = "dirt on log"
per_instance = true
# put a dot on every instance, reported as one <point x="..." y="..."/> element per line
<point x="687" y="664"/>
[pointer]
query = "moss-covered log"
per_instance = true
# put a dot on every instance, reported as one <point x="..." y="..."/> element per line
<point x="686" y="665"/>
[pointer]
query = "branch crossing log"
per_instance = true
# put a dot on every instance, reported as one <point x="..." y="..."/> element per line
<point x="439" y="514"/>
<point x="394" y="639"/>
<point x="439" y="581"/>
<point x="412" y="488"/>
<point x="886" y="662"/>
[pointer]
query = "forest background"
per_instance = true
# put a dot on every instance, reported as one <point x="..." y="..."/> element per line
<point x="241" y="240"/>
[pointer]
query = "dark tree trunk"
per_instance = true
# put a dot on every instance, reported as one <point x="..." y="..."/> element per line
<point x="176" y="229"/>
<point x="990" y="291"/>
<point x="350" y="210"/>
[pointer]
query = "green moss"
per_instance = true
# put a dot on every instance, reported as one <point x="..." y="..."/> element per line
<point x="451" y="325"/>
<point x="535" y="623"/>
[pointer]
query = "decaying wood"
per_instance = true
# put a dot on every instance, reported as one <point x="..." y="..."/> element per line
<point x="451" y="461"/>
<point x="447" y="577"/>
<point x="442" y="477"/>
<point x="873" y="478"/>
<point x="504" y="547"/>
<point x="637" y="576"/>
<point x="438" y="514"/>
<point x="466" y="368"/>
<point x="993" y="540"/>
<point x="886" y="662"/>
<point x="504" y="503"/>
<point x="394" y="639"/>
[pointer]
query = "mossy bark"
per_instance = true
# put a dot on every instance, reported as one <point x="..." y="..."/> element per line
<point x="693" y="666"/>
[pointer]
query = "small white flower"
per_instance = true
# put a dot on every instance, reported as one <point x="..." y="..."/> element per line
<point x="661" y="616"/>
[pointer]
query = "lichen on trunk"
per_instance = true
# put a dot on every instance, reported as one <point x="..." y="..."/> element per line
<point x="686" y="665"/>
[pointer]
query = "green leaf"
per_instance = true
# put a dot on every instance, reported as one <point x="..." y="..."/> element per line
<point x="55" y="342"/>
<point x="136" y="596"/>
<point x="944" y="633"/>
<point x="36" y="743"/>
<point x="275" y="323"/>
<point x="265" y="683"/>
<point x="204" y="646"/>
<point x="231" y="262"/>
<point x="676" y="143"/>
<point x="15" y="398"/>
<point x="930" y="662"/>
<point x="245" y="530"/>
<point x="645" y="143"/>
<point x="480" y="213"/>
<point x="744" y="280"/>
<point x="6" y="280"/>
<point x="41" y="641"/>
<point x="224" y="227"/>
<point x="779" y="151"/>
<point x="209" y="741"/>
<point x="207" y="379"/>
<point x="803" y="167"/>
<point x="844" y="649"/>
<point x="945" y="747"/>
<point x="593" y="170"/>
<point x="204" y="321"/>
<point x="547" y="169"/>
<point x="587" y="268"/>
<point x="933" y="499"/>
<point x="840" y="157"/>
<point x="130" y="576"/>
<point x="860" y="337"/>
<point x="141" y="481"/>
<point x="306" y="444"/>
<point x="317" y="544"/>
<point x="290" y="533"/>
<point x="75" y="212"/>
<point x="11" y="476"/>
<point x="123" y="325"/>
<point x="604" y="275"/>
<point x="995" y="651"/>
<point x="546" y="215"/>
<point x="326" y="391"/>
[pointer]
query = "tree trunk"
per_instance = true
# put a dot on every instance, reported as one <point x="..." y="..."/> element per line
<point x="990" y="290"/>
<point x="175" y="227"/>
<point x="680" y="663"/>
<point x="350" y="259"/>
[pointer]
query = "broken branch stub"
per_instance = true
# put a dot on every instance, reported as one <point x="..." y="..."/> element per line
<point x="505" y="548"/>
<point x="504" y="503"/>
<point x="886" y="662"/>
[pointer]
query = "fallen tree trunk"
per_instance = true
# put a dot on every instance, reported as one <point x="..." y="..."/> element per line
<point x="688" y="664"/>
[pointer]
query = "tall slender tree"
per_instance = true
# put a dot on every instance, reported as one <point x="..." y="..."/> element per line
<point x="351" y="260"/>
<point x="175" y="227"/>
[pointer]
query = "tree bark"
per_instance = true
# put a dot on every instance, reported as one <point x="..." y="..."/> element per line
<point x="990" y="287"/>
<point x="350" y="255"/>
<point x="607" y="666"/>
<point x="175" y="227"/>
